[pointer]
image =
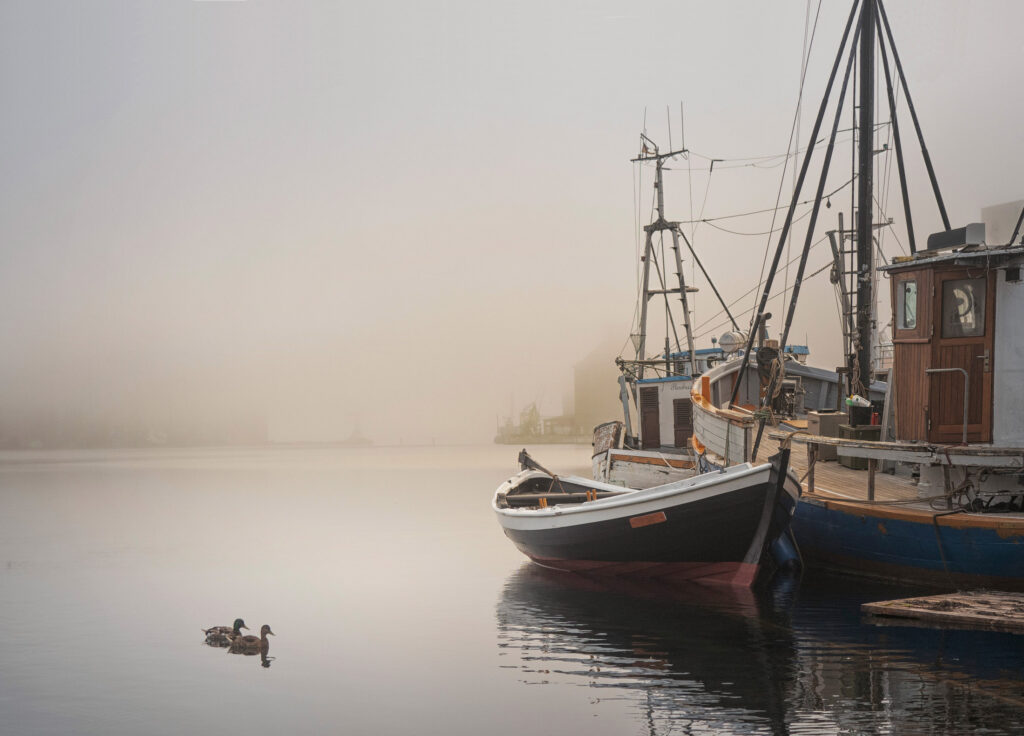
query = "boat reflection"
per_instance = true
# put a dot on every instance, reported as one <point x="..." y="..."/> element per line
<point x="720" y="656"/>
<point x="795" y="657"/>
<point x="916" y="678"/>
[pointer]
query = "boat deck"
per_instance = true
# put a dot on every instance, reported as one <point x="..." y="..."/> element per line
<point x="833" y="479"/>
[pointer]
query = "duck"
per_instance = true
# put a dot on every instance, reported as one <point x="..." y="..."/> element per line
<point x="221" y="635"/>
<point x="250" y="644"/>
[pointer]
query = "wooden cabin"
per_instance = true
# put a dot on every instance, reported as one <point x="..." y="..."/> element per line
<point x="666" y="418"/>
<point x="958" y="337"/>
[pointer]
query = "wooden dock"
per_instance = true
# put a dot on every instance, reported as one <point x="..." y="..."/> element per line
<point x="984" y="609"/>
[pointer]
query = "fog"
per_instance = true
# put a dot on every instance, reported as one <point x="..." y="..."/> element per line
<point x="238" y="221"/>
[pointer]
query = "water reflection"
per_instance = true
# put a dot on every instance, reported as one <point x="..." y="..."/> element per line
<point x="262" y="650"/>
<point x="908" y="678"/>
<point x="250" y="646"/>
<point x="702" y="658"/>
<point x="791" y="658"/>
<point x="221" y="636"/>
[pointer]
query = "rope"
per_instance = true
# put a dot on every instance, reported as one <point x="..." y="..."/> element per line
<point x="787" y="441"/>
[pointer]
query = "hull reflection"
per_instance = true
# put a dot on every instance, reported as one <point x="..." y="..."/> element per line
<point x="718" y="656"/>
<point x="793" y="658"/>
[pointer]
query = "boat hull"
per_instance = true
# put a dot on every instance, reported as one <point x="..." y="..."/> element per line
<point x="949" y="550"/>
<point x="701" y="530"/>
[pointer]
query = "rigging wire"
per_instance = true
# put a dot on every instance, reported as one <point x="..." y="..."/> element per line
<point x="792" y="132"/>
<point x="890" y="228"/>
<point x="804" y="57"/>
<point x="689" y="187"/>
<point x="637" y="178"/>
<point x="741" y="297"/>
<point x="765" y="232"/>
<point x="842" y="186"/>
<point x="774" y="156"/>
<point x="888" y="172"/>
<point x="781" y="294"/>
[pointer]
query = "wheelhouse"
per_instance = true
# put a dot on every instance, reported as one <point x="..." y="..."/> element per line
<point x="958" y="345"/>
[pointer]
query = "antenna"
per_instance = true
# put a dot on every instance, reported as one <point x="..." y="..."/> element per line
<point x="668" y="115"/>
<point x="682" y="131"/>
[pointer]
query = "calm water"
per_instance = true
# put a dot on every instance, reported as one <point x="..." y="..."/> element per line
<point x="400" y="608"/>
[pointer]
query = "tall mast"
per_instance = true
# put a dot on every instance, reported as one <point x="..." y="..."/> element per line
<point x="865" y="185"/>
<point x="660" y="224"/>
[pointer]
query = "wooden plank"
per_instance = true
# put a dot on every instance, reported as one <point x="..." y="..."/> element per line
<point x="660" y="460"/>
<point x="911" y="361"/>
<point x="916" y="451"/>
<point x="881" y="453"/>
<point x="992" y="610"/>
<point x="834" y="480"/>
<point x="606" y="436"/>
<point x="717" y="433"/>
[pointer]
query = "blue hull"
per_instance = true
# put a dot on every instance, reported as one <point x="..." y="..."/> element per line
<point x="947" y="550"/>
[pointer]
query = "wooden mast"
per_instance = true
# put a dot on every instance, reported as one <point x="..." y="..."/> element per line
<point x="865" y="184"/>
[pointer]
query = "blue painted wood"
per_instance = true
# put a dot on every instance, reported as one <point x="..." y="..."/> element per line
<point x="870" y="542"/>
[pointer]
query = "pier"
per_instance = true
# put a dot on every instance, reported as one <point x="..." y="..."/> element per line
<point x="992" y="610"/>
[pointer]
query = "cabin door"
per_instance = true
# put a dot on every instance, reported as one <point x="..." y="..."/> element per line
<point x="650" y="421"/>
<point x="963" y="340"/>
<point x="683" y="414"/>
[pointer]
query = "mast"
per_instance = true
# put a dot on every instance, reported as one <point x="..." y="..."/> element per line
<point x="659" y="225"/>
<point x="865" y="185"/>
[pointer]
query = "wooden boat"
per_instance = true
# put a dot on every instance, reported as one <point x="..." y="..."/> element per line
<point x="656" y="390"/>
<point x="712" y="528"/>
<point x="926" y="482"/>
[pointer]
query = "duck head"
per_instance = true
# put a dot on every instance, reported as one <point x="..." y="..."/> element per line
<point x="264" y="630"/>
<point x="238" y="625"/>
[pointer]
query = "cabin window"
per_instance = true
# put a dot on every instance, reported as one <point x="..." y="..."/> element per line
<point x="906" y="305"/>
<point x="963" y="307"/>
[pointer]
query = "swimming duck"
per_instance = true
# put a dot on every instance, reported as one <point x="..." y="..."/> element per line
<point x="249" y="643"/>
<point x="221" y="635"/>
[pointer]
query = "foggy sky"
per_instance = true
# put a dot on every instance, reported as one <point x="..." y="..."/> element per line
<point x="408" y="215"/>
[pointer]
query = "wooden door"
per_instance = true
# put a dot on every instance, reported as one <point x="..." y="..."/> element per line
<point x="650" y="421"/>
<point x="682" y="412"/>
<point x="963" y="339"/>
<point x="913" y="329"/>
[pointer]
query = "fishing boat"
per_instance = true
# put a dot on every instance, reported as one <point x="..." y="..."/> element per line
<point x="919" y="477"/>
<point x="656" y="388"/>
<point x="715" y="528"/>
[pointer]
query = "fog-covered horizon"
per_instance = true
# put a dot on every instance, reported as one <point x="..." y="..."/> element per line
<point x="259" y="219"/>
